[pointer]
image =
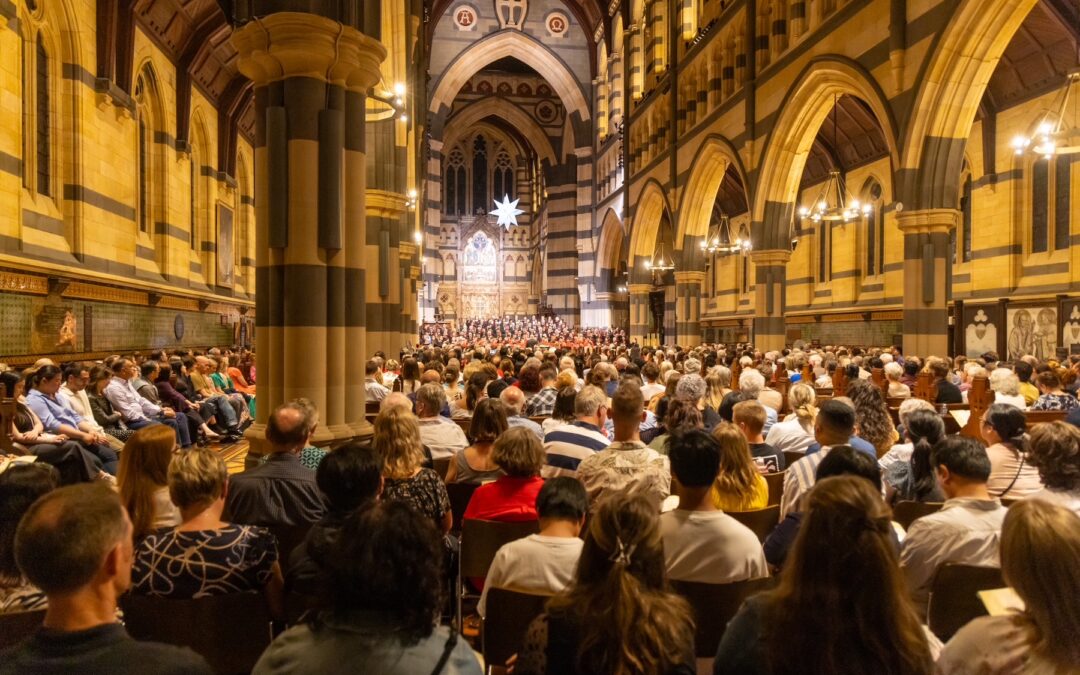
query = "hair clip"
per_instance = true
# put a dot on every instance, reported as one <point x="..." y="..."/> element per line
<point x="623" y="553"/>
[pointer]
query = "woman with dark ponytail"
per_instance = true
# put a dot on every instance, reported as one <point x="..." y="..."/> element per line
<point x="915" y="480"/>
<point x="618" y="615"/>
<point x="1004" y="428"/>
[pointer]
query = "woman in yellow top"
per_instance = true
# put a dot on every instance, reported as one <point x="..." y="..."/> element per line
<point x="739" y="486"/>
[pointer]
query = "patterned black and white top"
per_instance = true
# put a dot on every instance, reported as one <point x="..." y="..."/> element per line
<point x="425" y="492"/>
<point x="202" y="563"/>
<point x="1055" y="402"/>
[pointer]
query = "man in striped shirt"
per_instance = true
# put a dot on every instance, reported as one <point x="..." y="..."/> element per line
<point x="834" y="425"/>
<point x="568" y="444"/>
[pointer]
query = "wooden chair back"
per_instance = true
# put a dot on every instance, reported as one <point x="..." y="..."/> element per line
<point x="761" y="521"/>
<point x="783" y="385"/>
<point x="8" y="407"/>
<point x="775" y="482"/>
<point x="229" y="631"/>
<point x="980" y="397"/>
<point x="465" y="423"/>
<point x="808" y="375"/>
<point x="460" y="494"/>
<point x="877" y="376"/>
<point x="481" y="539"/>
<point x="1040" y="416"/>
<point x="508" y="615"/>
<point x="288" y="538"/>
<point x="953" y="596"/>
<point x="714" y="606"/>
<point x="18" y="626"/>
<point x="736" y="371"/>
<point x="925" y="387"/>
<point x="839" y="382"/>
<point x="790" y="457"/>
<point x="905" y="512"/>
<point x="441" y="466"/>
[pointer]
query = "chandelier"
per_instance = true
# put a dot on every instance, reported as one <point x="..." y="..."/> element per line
<point x="719" y="238"/>
<point x="662" y="260"/>
<point x="1052" y="134"/>
<point x="832" y="204"/>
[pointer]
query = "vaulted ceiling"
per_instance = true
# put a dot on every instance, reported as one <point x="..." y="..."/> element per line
<point x="850" y="136"/>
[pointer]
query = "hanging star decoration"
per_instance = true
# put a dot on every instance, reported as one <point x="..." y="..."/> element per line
<point x="507" y="211"/>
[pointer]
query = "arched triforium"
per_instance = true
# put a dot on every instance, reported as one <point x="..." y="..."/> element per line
<point x="310" y="75"/>
<point x="770" y="280"/>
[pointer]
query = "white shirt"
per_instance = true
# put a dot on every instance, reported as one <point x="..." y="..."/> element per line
<point x="790" y="435"/>
<point x="710" y="547"/>
<point x="650" y="390"/>
<point x="965" y="530"/>
<point x="1016" y="400"/>
<point x="798" y="480"/>
<point x="375" y="392"/>
<point x="901" y="452"/>
<point x="537" y="564"/>
<point x="443" y="437"/>
<point x="1070" y="500"/>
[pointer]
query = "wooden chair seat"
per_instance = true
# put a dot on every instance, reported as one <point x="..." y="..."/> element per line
<point x="229" y="631"/>
<point x="905" y="512"/>
<point x="954" y="599"/>
<point x="714" y="606"/>
<point x="508" y="615"/>
<point x="776" y="486"/>
<point x="761" y="521"/>
<point x="18" y="626"/>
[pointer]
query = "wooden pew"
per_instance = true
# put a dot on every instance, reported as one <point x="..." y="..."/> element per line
<point x="1042" y="416"/>
<point x="808" y="374"/>
<point x="736" y="370"/>
<point x="925" y="387"/>
<point x="8" y="406"/>
<point x="839" y="382"/>
<point x="877" y="376"/>
<point x="783" y="385"/>
<point x="980" y="397"/>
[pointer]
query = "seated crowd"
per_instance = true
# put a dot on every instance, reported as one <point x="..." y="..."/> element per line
<point x="644" y="473"/>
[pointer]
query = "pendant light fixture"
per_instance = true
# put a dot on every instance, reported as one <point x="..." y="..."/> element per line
<point x="719" y="238"/>
<point x="833" y="204"/>
<point x="1055" y="132"/>
<point x="663" y="259"/>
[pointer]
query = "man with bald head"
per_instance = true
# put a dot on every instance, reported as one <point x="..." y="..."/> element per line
<point x="75" y="545"/>
<point x="280" y="491"/>
<point x="514" y="400"/>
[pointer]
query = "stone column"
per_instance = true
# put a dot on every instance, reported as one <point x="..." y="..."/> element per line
<point x="385" y="222"/>
<point x="770" y="274"/>
<point x="639" y="312"/>
<point x="310" y="74"/>
<point x="688" y="287"/>
<point x="926" y="260"/>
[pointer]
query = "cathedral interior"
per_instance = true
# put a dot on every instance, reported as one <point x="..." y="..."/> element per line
<point x="319" y="178"/>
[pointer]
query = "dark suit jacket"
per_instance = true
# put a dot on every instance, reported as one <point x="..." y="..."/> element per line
<point x="947" y="392"/>
<point x="278" y="492"/>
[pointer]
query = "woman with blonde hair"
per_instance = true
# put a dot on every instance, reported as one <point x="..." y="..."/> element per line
<point x="618" y="614"/>
<point x="897" y="389"/>
<point x="796" y="432"/>
<point x="397" y="439"/>
<point x="739" y="485"/>
<point x="843" y="578"/>
<point x="143" y="479"/>
<point x="1040" y="560"/>
<point x="717" y="387"/>
<point x="1006" y="387"/>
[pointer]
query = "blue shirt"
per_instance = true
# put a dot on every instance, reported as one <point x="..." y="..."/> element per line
<point x="855" y="442"/>
<point x="52" y="411"/>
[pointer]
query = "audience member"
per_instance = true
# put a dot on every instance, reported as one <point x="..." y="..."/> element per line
<point x="617" y="615"/>
<point x="279" y="492"/>
<point x="20" y="486"/>
<point x="751" y="384"/>
<point x="966" y="530"/>
<point x="543" y="402"/>
<point x="1024" y="373"/>
<point x="1006" y="387"/>
<point x="893" y="374"/>
<point x="739" y="485"/>
<point x="947" y="392"/>
<point x="1052" y="396"/>
<point x="681" y="414"/>
<point x="833" y="425"/>
<point x="474" y="464"/>
<point x="1054" y="450"/>
<point x="627" y="462"/>
<point x="1004" y="428"/>
<point x="380" y="604"/>
<point x="563" y="412"/>
<point x="901" y="452"/>
<point x="60" y="420"/>
<point x="512" y="496"/>
<point x="100" y="408"/>
<point x="701" y="542"/>
<point x="915" y="480"/>
<point x="441" y="436"/>
<point x="543" y="563"/>
<point x="513" y="399"/>
<point x="1040" y="560"/>
<point x="842" y="461"/>
<point x="143" y="480"/>
<point x="135" y="410"/>
<point x="397" y="440"/>
<point x="796" y="432"/>
<point x="349" y="477"/>
<point x="74" y="544"/>
<point x="872" y="417"/>
<point x="840" y="606"/>
<point x="374" y="390"/>
<point x="204" y="555"/>
<point x="750" y="417"/>
<point x="566" y="446"/>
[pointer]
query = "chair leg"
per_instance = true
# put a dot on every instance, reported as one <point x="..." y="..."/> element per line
<point x="459" y="590"/>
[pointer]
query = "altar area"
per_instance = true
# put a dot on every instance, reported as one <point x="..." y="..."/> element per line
<point x="486" y="274"/>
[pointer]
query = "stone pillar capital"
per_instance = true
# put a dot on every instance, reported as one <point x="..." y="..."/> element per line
<point x="298" y="44"/>
<point x="771" y="257"/>
<point x="385" y="204"/>
<point x="927" y="220"/>
<point x="638" y="289"/>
